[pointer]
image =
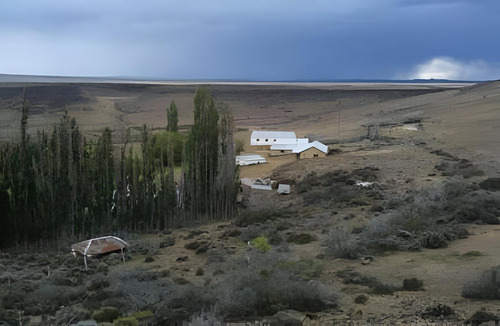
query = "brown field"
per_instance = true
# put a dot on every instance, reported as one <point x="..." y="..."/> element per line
<point x="411" y="121"/>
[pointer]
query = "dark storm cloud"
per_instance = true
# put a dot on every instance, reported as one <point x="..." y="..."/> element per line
<point x="263" y="40"/>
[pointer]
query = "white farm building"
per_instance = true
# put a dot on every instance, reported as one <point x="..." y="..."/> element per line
<point x="287" y="142"/>
<point x="268" y="138"/>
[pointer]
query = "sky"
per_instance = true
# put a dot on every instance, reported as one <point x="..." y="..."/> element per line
<point x="258" y="40"/>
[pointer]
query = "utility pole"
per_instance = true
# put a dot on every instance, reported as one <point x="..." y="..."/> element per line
<point x="338" y="127"/>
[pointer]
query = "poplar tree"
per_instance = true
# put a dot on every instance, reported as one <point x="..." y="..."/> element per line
<point x="209" y="161"/>
<point x="172" y="118"/>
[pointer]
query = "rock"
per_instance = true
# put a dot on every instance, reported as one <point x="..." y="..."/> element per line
<point x="149" y="259"/>
<point x="182" y="258"/>
<point x="167" y="242"/>
<point x="106" y="314"/>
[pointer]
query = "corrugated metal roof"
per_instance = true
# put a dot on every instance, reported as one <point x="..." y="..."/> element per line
<point x="289" y="147"/>
<point x="316" y="144"/>
<point x="273" y="134"/>
<point x="283" y="147"/>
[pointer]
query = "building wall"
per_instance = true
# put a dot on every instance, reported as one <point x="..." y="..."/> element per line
<point x="271" y="141"/>
<point x="311" y="153"/>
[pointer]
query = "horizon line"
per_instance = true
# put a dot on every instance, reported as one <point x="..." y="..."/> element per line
<point x="234" y="80"/>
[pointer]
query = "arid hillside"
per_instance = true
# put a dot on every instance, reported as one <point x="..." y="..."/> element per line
<point x="400" y="223"/>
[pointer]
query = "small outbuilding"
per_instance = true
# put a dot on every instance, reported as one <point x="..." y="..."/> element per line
<point x="249" y="159"/>
<point x="311" y="150"/>
<point x="284" y="189"/>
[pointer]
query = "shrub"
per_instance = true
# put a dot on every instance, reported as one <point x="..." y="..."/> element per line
<point x="305" y="268"/>
<point x="106" y="314"/>
<point x="343" y="244"/>
<point x="302" y="238"/>
<point x="412" y="284"/>
<point x="239" y="146"/>
<point x="361" y="299"/>
<point x="144" y="248"/>
<point x="490" y="184"/>
<point x="482" y="285"/>
<point x="438" y="311"/>
<point x="473" y="253"/>
<point x="194" y="245"/>
<point x="252" y="217"/>
<point x="256" y="287"/>
<point x="377" y="287"/>
<point x="261" y="244"/>
<point x="381" y="288"/>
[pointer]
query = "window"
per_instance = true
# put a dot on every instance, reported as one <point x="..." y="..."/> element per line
<point x="315" y="155"/>
<point x="258" y="139"/>
<point x="267" y="139"/>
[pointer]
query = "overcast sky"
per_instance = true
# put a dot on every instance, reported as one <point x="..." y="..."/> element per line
<point x="252" y="40"/>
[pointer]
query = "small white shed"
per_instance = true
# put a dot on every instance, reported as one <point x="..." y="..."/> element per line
<point x="284" y="189"/>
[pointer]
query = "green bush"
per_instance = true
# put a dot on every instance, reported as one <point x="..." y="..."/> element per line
<point x="106" y="314"/>
<point x="261" y="244"/>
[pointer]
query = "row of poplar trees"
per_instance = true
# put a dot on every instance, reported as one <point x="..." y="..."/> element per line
<point x="60" y="185"/>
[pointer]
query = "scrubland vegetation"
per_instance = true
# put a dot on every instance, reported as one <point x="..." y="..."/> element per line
<point x="195" y="251"/>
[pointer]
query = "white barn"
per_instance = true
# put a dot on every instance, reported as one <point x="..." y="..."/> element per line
<point x="268" y="138"/>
